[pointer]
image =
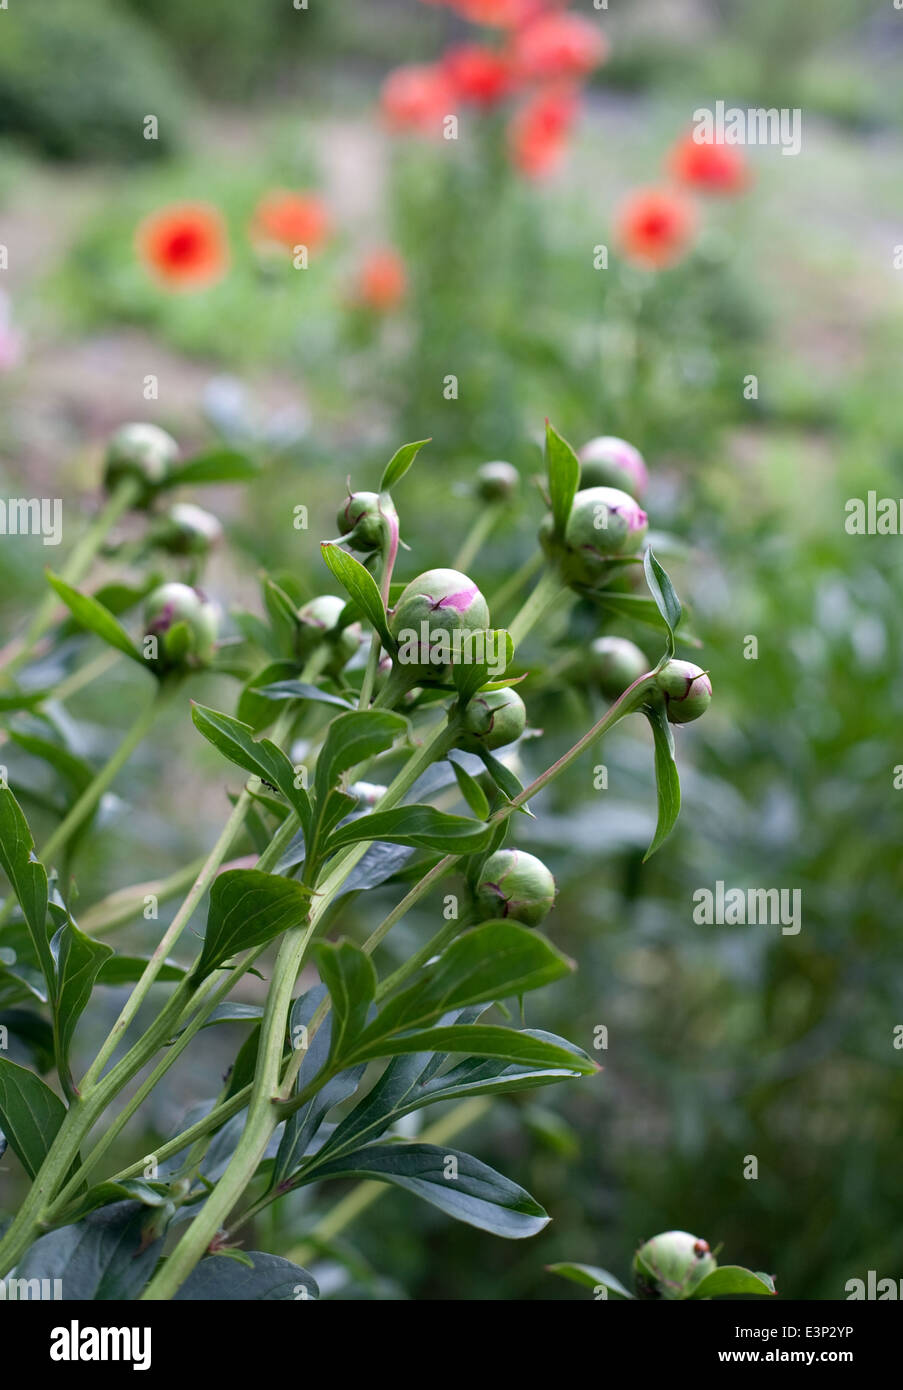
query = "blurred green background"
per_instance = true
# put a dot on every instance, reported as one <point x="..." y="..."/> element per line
<point x="723" y="1042"/>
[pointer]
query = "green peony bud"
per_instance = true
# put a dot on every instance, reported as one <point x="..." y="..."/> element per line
<point x="603" y="522"/>
<point x="614" y="664"/>
<point x="367" y="520"/>
<point x="317" y="621"/>
<point x="430" y="623"/>
<point x="493" y="719"/>
<point x="610" y="462"/>
<point x="672" y="1265"/>
<point x="140" y="451"/>
<point x="515" y="884"/>
<point x="687" y="691"/>
<point x="185" y="623"/>
<point x="497" y="481"/>
<point x="188" y="530"/>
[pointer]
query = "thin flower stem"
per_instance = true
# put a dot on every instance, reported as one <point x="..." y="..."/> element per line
<point x="479" y="532"/>
<point x="85" y="675"/>
<point x="517" y="581"/>
<point x="549" y="590"/>
<point x="17" y="654"/>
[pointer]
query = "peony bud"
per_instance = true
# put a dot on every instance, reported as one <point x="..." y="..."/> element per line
<point x="614" y="664"/>
<point x="611" y="462"/>
<point x="367" y="520"/>
<point x="431" y="621"/>
<point x="140" y="451"/>
<point x="603" y="522"/>
<point x="672" y="1265"/>
<point x="492" y="719"/>
<point x="188" y="530"/>
<point x="317" y="621"/>
<point x="497" y="481"/>
<point x="515" y="884"/>
<point x="687" y="691"/>
<point x="185" y="623"/>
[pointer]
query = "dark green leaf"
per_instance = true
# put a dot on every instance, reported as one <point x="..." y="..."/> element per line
<point x="256" y="709"/>
<point x="662" y="591"/>
<point x="733" y="1279"/>
<point x="471" y="791"/>
<point x="359" y="583"/>
<point x="667" y="781"/>
<point x="399" y="464"/>
<point x="75" y="772"/>
<point x="78" y="961"/>
<point x="105" y="1257"/>
<point x="27" y="877"/>
<point x="354" y="738"/>
<point x="125" y="970"/>
<point x="96" y="618"/>
<point x="30" y="1114"/>
<point x="33" y="1032"/>
<point x="591" y="1277"/>
<point x="248" y="908"/>
<point x="455" y="1182"/>
<point x="257" y="1278"/>
<point x="493" y="961"/>
<point x="421" y="826"/>
<point x="299" y="690"/>
<point x="261" y="757"/>
<point x="564" y="477"/>
<point x="349" y="976"/>
<point x="471" y="676"/>
<point x="504" y="1044"/>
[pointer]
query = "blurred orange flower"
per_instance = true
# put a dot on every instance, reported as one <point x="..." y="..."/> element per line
<point x="291" y="219"/>
<point x="496" y="14"/>
<point x="382" y="280"/>
<point x="184" y="245"/>
<point x="416" y="97"/>
<point x="477" y="73"/>
<point x="711" y="168"/>
<point x="558" y="45"/>
<point x="655" y="226"/>
<point x="538" y="132"/>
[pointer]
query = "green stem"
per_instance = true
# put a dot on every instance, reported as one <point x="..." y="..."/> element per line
<point x="480" y="530"/>
<point x="549" y="590"/>
<point x="263" y="1115"/>
<point x="16" y="655"/>
<point x="517" y="581"/>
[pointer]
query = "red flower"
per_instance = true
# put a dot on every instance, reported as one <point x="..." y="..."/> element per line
<point x="382" y="280"/>
<point x="477" y="74"/>
<point x="184" y="245"/>
<point x="558" y="45"/>
<point x="291" y="219"/>
<point x="654" y="227"/>
<point x="417" y="97"/>
<point x="538" y="132"/>
<point x="712" y="168"/>
<point x="496" y="14"/>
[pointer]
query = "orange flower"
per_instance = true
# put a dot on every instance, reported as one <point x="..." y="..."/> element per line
<point x="477" y="74"/>
<point x="382" y="280"/>
<point x="712" y="168"/>
<point x="558" y="45"/>
<point x="538" y="132"/>
<point x="655" y="226"/>
<point x="291" y="219"/>
<point x="417" y="97"/>
<point x="184" y="245"/>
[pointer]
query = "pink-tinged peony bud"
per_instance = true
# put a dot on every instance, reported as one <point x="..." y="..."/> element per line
<point x="317" y="621"/>
<point x="611" y="462"/>
<point x="367" y="521"/>
<point x="139" y="451"/>
<point x="431" y="621"/>
<point x="186" y="625"/>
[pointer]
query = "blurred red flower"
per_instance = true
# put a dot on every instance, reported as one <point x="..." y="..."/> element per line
<point x="654" y="227"/>
<point x="496" y="14"/>
<point x="711" y="168"/>
<point x="558" y="45"/>
<point x="538" y="132"/>
<point x="184" y="245"/>
<point x="382" y="280"/>
<point x="417" y="97"/>
<point x="291" y="219"/>
<point x="478" y="74"/>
